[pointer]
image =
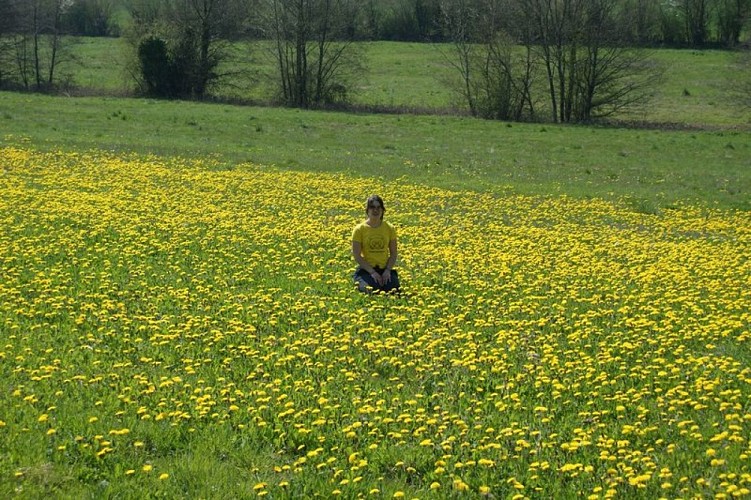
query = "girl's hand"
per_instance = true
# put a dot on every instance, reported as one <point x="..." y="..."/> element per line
<point x="377" y="277"/>
<point x="387" y="276"/>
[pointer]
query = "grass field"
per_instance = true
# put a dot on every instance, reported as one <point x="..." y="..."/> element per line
<point x="177" y="319"/>
<point x="650" y="170"/>
<point x="175" y="328"/>
<point x="695" y="90"/>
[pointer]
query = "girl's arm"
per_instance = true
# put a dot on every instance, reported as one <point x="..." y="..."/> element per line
<point x="392" y="255"/>
<point x="391" y="262"/>
<point x="357" y="253"/>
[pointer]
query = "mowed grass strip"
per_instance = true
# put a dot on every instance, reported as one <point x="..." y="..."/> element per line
<point x="171" y="327"/>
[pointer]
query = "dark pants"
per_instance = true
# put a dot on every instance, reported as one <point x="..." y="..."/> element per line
<point x="364" y="279"/>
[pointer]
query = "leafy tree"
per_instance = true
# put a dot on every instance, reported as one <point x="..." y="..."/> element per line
<point x="411" y="20"/>
<point x="640" y="21"/>
<point x="732" y="17"/>
<point x="91" y="17"/>
<point x="194" y="34"/>
<point x="671" y="26"/>
<point x="428" y="19"/>
<point x="154" y="61"/>
<point x="696" y="20"/>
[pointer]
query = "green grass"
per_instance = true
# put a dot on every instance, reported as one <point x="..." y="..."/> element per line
<point x="417" y="76"/>
<point x="697" y="89"/>
<point x="171" y="327"/>
<point x="98" y="63"/>
<point x="177" y="320"/>
<point x="410" y="75"/>
<point x="650" y="169"/>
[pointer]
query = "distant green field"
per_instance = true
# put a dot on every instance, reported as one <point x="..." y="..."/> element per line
<point x="412" y="75"/>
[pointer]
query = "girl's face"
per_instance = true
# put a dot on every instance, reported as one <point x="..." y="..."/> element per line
<point x="375" y="210"/>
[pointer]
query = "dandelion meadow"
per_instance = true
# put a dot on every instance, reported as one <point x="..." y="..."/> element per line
<point x="187" y="328"/>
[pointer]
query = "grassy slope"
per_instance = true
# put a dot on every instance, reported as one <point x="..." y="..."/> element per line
<point x="652" y="169"/>
<point x="694" y="90"/>
<point x="697" y="89"/>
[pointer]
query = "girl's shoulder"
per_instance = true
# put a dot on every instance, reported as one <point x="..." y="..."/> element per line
<point x="360" y="227"/>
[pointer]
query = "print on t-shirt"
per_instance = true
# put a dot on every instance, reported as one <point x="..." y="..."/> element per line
<point x="376" y="243"/>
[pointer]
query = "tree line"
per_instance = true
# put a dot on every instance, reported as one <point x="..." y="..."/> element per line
<point x="671" y="23"/>
<point x="587" y="55"/>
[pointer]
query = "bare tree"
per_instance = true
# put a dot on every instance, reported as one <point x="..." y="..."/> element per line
<point x="37" y="39"/>
<point x="610" y="77"/>
<point x="7" y="21"/>
<point x="313" y="50"/>
<point x="460" y="19"/>
<point x="496" y="76"/>
<point x="556" y="34"/>
<point x="578" y="43"/>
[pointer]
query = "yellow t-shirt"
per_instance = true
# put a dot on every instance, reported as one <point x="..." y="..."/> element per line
<point x="374" y="242"/>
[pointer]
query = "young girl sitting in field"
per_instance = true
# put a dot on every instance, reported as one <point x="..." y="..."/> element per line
<point x="374" y="249"/>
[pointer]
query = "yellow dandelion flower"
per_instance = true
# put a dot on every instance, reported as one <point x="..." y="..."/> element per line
<point x="460" y="485"/>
